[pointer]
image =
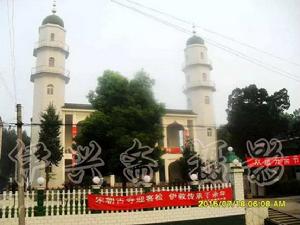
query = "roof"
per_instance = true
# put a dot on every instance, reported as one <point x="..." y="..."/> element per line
<point x="195" y="40"/>
<point x="53" y="19"/>
<point x="77" y="106"/>
<point x="180" y="111"/>
<point x="89" y="107"/>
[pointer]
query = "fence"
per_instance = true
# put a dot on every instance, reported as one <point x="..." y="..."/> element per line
<point x="74" y="202"/>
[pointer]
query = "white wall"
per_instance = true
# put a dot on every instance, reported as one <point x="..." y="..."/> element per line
<point x="196" y="91"/>
<point x="41" y="99"/>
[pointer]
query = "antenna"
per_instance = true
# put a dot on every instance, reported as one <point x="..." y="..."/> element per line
<point x="54" y="7"/>
<point x="194" y="29"/>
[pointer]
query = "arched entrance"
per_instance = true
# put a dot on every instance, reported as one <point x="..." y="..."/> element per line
<point x="175" y="172"/>
<point x="175" y="135"/>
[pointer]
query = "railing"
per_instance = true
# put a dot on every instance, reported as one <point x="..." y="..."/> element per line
<point x="54" y="44"/>
<point x="74" y="202"/>
<point x="207" y="62"/>
<point x="48" y="69"/>
<point x="199" y="84"/>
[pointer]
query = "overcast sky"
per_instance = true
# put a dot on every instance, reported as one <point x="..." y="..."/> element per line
<point x="103" y="35"/>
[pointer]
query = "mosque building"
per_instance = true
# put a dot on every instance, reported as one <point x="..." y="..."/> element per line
<point x="50" y="78"/>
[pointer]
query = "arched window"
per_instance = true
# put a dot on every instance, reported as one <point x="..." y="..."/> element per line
<point x="209" y="132"/>
<point x="204" y="77"/>
<point x="51" y="62"/>
<point x="206" y="100"/>
<point x="174" y="137"/>
<point x="202" y="55"/>
<point x="50" y="89"/>
<point x="52" y="37"/>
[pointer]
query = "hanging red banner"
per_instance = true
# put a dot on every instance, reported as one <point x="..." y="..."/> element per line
<point x="74" y="131"/>
<point x="173" y="150"/>
<point x="156" y="199"/>
<point x="291" y="160"/>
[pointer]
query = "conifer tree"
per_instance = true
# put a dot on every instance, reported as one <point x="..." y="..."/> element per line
<point x="49" y="138"/>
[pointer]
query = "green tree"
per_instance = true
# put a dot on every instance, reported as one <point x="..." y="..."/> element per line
<point x="189" y="162"/>
<point x="253" y="114"/>
<point x="9" y="143"/>
<point x="49" y="137"/>
<point x="295" y="123"/>
<point x="125" y="110"/>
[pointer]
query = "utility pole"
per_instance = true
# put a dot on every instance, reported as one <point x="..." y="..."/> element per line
<point x="21" y="204"/>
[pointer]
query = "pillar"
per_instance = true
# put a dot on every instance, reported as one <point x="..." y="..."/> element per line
<point x="236" y="179"/>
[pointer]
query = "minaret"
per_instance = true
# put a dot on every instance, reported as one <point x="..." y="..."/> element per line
<point x="199" y="91"/>
<point x="49" y="78"/>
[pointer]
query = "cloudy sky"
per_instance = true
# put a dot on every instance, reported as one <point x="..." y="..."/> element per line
<point x="102" y="35"/>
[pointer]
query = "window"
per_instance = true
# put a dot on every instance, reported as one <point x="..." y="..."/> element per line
<point x="50" y="89"/>
<point x="204" y="77"/>
<point x="209" y="132"/>
<point x="202" y="55"/>
<point x="52" y="37"/>
<point x="206" y="99"/>
<point x="51" y="62"/>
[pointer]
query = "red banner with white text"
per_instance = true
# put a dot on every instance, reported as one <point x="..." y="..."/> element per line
<point x="291" y="160"/>
<point x="156" y="199"/>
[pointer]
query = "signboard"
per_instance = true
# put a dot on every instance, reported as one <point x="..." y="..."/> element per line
<point x="156" y="199"/>
<point x="291" y="160"/>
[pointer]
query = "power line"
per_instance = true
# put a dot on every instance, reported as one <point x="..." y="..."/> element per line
<point x="11" y="30"/>
<point x="6" y="87"/>
<point x="254" y="60"/>
<point x="213" y="32"/>
<point x="216" y="44"/>
<point x="79" y="125"/>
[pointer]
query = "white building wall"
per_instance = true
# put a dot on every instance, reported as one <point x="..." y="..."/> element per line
<point x="199" y="86"/>
<point x="46" y="30"/>
<point x="42" y="76"/>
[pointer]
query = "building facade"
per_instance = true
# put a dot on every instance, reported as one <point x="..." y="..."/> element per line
<point x="199" y="89"/>
<point x="50" y="78"/>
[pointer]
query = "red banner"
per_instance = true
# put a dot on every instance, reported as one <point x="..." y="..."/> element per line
<point x="173" y="150"/>
<point x="74" y="131"/>
<point x="156" y="199"/>
<point x="291" y="160"/>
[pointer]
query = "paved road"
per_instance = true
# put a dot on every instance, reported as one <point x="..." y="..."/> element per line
<point x="292" y="205"/>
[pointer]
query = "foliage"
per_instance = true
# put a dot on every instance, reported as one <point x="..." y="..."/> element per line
<point x="294" y="119"/>
<point x="125" y="110"/>
<point x="49" y="137"/>
<point x="284" y="188"/>
<point x="189" y="154"/>
<point x="9" y="142"/>
<point x="253" y="114"/>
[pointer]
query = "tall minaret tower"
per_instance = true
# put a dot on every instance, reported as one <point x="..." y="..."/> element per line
<point x="199" y="91"/>
<point x="49" y="78"/>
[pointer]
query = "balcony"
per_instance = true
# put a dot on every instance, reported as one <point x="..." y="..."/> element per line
<point x="197" y="63"/>
<point x="195" y="84"/>
<point x="37" y="71"/>
<point x="51" y="44"/>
